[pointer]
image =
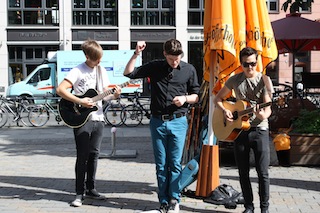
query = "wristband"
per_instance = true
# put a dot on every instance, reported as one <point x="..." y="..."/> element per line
<point x="136" y="53"/>
<point x="186" y="99"/>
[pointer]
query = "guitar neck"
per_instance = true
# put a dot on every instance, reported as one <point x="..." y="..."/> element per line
<point x="250" y="109"/>
<point x="108" y="92"/>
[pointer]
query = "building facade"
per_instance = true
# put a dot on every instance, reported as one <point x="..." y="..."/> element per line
<point x="31" y="28"/>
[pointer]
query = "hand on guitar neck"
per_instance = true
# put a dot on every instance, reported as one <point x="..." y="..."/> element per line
<point x="88" y="102"/>
<point x="257" y="110"/>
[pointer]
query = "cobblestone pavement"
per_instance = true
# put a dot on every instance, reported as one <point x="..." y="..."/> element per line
<point x="37" y="175"/>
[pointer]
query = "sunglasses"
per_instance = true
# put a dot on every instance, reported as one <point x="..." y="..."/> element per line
<point x="252" y="64"/>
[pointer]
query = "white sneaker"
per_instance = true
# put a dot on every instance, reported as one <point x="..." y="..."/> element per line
<point x="78" y="201"/>
<point x="173" y="206"/>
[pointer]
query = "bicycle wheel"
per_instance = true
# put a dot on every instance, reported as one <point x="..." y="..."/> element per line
<point x="112" y="115"/>
<point x="131" y="115"/>
<point x="24" y="115"/>
<point x="39" y="116"/>
<point x="3" y="116"/>
<point x="314" y="98"/>
<point x="282" y="95"/>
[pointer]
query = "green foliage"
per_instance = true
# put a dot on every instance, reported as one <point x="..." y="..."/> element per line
<point x="295" y="5"/>
<point x="308" y="122"/>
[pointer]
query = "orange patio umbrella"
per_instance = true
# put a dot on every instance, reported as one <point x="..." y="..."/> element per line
<point x="229" y="26"/>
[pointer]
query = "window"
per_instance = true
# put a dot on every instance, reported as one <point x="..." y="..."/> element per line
<point x="152" y="12"/>
<point x="35" y="53"/>
<point x="195" y="57"/>
<point x="95" y="12"/>
<point x="45" y="74"/>
<point x="305" y="8"/>
<point x="15" y="54"/>
<point x="33" y="12"/>
<point x="41" y="75"/>
<point x="29" y="54"/>
<point x="195" y="12"/>
<point x="273" y="6"/>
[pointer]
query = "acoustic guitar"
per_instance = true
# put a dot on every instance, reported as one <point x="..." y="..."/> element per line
<point x="226" y="130"/>
<point x="74" y="115"/>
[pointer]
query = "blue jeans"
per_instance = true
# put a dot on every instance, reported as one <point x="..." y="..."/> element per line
<point x="258" y="141"/>
<point x="168" y="139"/>
<point x="88" y="140"/>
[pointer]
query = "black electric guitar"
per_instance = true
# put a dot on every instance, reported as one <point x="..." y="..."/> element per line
<point x="74" y="115"/>
<point x="226" y="130"/>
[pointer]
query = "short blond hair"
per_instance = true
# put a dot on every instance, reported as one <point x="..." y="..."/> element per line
<point x="92" y="49"/>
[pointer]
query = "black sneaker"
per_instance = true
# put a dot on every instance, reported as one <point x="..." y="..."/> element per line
<point x="94" y="195"/>
<point x="163" y="208"/>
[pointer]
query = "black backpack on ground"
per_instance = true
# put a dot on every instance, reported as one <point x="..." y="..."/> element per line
<point x="225" y="195"/>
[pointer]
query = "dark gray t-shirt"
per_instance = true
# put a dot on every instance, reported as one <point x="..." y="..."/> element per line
<point x="251" y="90"/>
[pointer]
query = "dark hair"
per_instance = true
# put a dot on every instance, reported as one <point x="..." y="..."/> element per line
<point x="92" y="49"/>
<point x="247" y="51"/>
<point x="173" y="47"/>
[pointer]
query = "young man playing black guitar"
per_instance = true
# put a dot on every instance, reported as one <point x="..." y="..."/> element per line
<point x="256" y="89"/>
<point x="88" y="136"/>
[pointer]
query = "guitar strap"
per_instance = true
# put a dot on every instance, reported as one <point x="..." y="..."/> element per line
<point x="99" y="80"/>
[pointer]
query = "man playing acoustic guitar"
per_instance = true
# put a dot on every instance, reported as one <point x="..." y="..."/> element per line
<point x="256" y="89"/>
<point x="88" y="136"/>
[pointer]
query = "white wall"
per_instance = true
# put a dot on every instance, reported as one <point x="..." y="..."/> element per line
<point x="182" y="24"/>
<point x="3" y="48"/>
<point x="65" y="18"/>
<point x="124" y="18"/>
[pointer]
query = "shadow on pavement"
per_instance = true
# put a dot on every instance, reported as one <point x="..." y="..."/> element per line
<point x="53" y="189"/>
<point x="288" y="183"/>
<point x="65" y="147"/>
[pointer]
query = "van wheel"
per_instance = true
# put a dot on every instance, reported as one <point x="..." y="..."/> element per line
<point x="27" y="99"/>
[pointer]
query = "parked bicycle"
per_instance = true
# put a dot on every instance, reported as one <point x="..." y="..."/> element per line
<point x="112" y="112"/>
<point x="132" y="114"/>
<point x="285" y="92"/>
<point x="39" y="115"/>
<point x="17" y="107"/>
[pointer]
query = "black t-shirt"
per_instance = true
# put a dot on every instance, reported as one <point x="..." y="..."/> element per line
<point x="166" y="83"/>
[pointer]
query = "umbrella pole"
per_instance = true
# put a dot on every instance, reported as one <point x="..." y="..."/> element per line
<point x="209" y="172"/>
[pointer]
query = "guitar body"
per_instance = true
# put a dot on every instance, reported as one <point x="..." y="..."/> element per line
<point x="73" y="114"/>
<point x="226" y="130"/>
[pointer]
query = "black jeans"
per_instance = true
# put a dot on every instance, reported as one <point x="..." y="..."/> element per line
<point x="258" y="141"/>
<point x="88" y="140"/>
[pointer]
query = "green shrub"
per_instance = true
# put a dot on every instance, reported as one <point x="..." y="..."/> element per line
<point x="308" y="122"/>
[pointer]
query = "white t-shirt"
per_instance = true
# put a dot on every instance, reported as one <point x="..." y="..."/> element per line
<point x="83" y="78"/>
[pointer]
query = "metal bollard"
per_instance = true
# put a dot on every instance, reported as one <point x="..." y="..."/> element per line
<point x="113" y="140"/>
<point x="114" y="153"/>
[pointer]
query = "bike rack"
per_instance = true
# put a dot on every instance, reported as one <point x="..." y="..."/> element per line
<point x="114" y="153"/>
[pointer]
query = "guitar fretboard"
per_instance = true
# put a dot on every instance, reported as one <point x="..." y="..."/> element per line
<point x="250" y="109"/>
<point x="108" y="92"/>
